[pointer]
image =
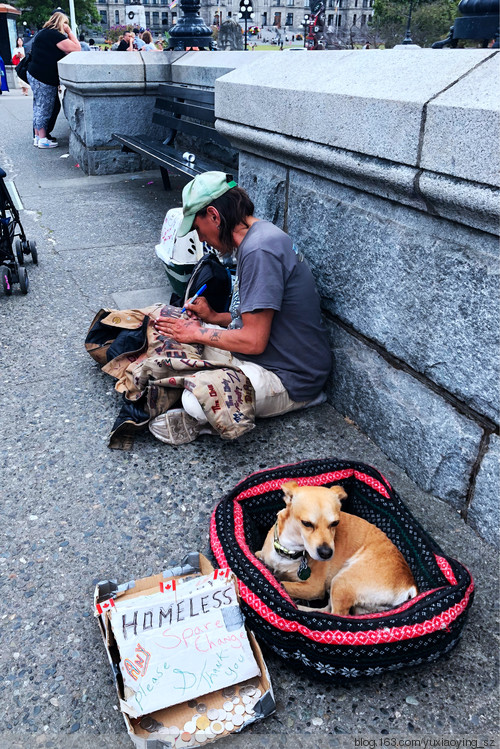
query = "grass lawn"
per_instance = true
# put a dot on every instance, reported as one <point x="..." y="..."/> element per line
<point x="274" y="47"/>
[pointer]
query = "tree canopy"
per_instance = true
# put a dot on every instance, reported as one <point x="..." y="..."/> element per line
<point x="37" y="12"/>
<point x="431" y="20"/>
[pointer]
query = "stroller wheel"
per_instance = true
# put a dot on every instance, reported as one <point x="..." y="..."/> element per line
<point x="33" y="251"/>
<point x="24" y="281"/>
<point x="19" y="251"/>
<point x="6" y="280"/>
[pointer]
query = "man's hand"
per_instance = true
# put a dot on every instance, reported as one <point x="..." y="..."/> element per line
<point x="200" y="309"/>
<point x="183" y="331"/>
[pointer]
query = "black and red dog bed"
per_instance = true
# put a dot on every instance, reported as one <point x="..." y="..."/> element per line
<point x="341" y="647"/>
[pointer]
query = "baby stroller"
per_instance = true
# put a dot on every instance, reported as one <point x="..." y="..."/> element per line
<point x="12" y="236"/>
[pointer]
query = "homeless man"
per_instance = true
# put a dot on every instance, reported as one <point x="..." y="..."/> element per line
<point x="273" y="332"/>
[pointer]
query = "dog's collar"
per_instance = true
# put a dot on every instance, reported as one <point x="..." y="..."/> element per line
<point x="282" y="550"/>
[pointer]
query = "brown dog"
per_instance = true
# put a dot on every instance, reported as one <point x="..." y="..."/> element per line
<point x="315" y="548"/>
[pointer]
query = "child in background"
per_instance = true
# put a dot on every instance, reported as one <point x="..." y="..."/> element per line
<point x="18" y="55"/>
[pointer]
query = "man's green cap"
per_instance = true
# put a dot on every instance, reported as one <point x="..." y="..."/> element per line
<point x="199" y="193"/>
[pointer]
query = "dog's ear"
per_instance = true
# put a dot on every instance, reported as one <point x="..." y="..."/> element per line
<point x="339" y="492"/>
<point x="288" y="489"/>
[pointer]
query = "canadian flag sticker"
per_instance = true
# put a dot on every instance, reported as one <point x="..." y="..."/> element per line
<point x="105" y="605"/>
<point x="222" y="574"/>
<point x="169" y="585"/>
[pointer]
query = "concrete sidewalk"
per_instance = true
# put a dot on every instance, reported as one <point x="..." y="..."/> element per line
<point x="75" y="512"/>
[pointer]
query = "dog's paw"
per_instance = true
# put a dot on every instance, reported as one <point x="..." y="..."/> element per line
<point x="310" y="609"/>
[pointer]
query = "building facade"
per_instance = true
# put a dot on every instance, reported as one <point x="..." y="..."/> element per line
<point x="347" y="19"/>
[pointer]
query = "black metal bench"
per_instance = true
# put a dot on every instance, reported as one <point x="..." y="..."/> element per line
<point x="188" y="114"/>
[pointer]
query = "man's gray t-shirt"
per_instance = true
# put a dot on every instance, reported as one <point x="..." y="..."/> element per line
<point x="271" y="275"/>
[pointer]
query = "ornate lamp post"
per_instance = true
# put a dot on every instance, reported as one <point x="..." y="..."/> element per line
<point x="305" y="24"/>
<point x="246" y="14"/>
<point x="190" y="30"/>
<point x="479" y="21"/>
<point x="408" y="39"/>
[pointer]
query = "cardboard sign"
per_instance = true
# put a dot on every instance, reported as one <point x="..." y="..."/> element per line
<point x="174" y="645"/>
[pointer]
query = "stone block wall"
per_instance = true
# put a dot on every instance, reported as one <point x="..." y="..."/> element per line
<point x="383" y="167"/>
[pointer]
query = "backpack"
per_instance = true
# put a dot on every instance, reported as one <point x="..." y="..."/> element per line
<point x="217" y="276"/>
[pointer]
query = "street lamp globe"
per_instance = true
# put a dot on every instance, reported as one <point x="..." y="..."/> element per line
<point x="246" y="14"/>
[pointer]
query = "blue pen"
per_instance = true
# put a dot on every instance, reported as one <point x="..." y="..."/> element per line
<point x="200" y="291"/>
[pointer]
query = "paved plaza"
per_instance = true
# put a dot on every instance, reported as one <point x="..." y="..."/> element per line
<point x="75" y="512"/>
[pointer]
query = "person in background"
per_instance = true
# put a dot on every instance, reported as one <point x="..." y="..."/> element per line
<point x="83" y="44"/>
<point x="148" y="42"/>
<point x="4" y="86"/>
<point x="138" y="42"/>
<point x="159" y="45"/>
<point x="49" y="46"/>
<point x="127" y="43"/>
<point x="18" y="55"/>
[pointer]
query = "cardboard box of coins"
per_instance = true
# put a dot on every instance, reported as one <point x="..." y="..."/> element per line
<point x="187" y="670"/>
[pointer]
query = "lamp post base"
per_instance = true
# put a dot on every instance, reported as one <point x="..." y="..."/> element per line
<point x="191" y="30"/>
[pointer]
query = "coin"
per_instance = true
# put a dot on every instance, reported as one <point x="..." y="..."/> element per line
<point x="239" y="709"/>
<point x="173" y="731"/>
<point x="216" y="727"/>
<point x="192" y="703"/>
<point x="229" y="726"/>
<point x="223" y="715"/>
<point x="228" y="707"/>
<point x="190" y="726"/>
<point x="202" y="722"/>
<point x="247" y="690"/>
<point x="186" y="736"/>
<point x="257" y="694"/>
<point x="200" y="737"/>
<point x="249" y="710"/>
<point x="247" y="700"/>
<point x="228" y="692"/>
<point x="238" y="720"/>
<point x="236" y="700"/>
<point x="149" y="724"/>
<point x="213" y="713"/>
<point x="201" y="707"/>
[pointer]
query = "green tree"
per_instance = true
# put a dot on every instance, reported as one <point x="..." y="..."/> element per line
<point x="431" y="20"/>
<point x="37" y="12"/>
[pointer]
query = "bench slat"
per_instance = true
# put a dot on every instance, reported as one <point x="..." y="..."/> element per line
<point x="166" y="90"/>
<point x="190" y="128"/>
<point x="166" y="156"/>
<point x="206" y="114"/>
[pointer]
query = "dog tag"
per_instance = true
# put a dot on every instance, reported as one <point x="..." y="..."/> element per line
<point x="304" y="572"/>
